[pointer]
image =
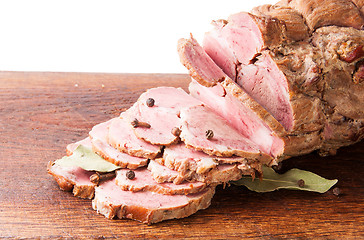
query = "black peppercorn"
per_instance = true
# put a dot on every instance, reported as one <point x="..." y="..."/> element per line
<point x="150" y="102"/>
<point x="130" y="174"/>
<point x="336" y="191"/>
<point x="301" y="183"/>
<point x="176" y="131"/>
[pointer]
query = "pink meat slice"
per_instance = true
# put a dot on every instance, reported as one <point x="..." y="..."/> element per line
<point x="72" y="146"/>
<point x="220" y="174"/>
<point x="163" y="174"/>
<point x="121" y="136"/>
<point x="245" y="35"/>
<point x="267" y="85"/>
<point x="162" y="116"/>
<point x="182" y="159"/>
<point x="145" y="206"/>
<point x="143" y="181"/>
<point x="73" y="179"/>
<point x="204" y="71"/>
<point x="100" y="145"/>
<point x="226" y="140"/>
<point x="239" y="116"/>
<point x="219" y="50"/>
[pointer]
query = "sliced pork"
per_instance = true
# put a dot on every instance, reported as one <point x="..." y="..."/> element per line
<point x="222" y="173"/>
<point x="308" y="85"/>
<point x="100" y="145"/>
<point x="144" y="181"/>
<point x="73" y="179"/>
<point x="188" y="161"/>
<point x="122" y="137"/>
<point x="206" y="131"/>
<point x="159" y="108"/>
<point x="145" y="206"/>
<point x="246" y="35"/>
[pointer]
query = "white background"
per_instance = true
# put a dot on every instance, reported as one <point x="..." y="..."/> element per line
<point x="104" y="36"/>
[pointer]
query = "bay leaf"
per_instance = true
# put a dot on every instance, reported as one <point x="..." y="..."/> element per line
<point x="289" y="180"/>
<point x="85" y="158"/>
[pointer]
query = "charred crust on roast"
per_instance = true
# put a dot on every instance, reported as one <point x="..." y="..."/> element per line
<point x="358" y="75"/>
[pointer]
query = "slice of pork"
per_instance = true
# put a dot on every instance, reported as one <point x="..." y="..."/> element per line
<point x="225" y="141"/>
<point x="121" y="136"/>
<point x="232" y="103"/>
<point x="222" y="173"/>
<point x="145" y="206"/>
<point x="185" y="160"/>
<point x="191" y="51"/>
<point x="226" y="104"/>
<point x="162" y="114"/>
<point x="73" y="179"/>
<point x="100" y="145"/>
<point x="143" y="181"/>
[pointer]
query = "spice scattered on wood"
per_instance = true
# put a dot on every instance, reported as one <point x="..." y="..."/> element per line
<point x="135" y="123"/>
<point x="176" y="131"/>
<point x="97" y="178"/>
<point x="150" y="102"/>
<point x="336" y="191"/>
<point x="209" y="134"/>
<point x="130" y="174"/>
<point x="301" y="183"/>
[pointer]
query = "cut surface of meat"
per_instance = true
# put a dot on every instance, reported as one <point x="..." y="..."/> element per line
<point x="73" y="179"/>
<point x="143" y="181"/>
<point x="162" y="116"/>
<point x="100" y="145"/>
<point x="240" y="116"/>
<point x="146" y="206"/>
<point x="266" y="84"/>
<point x="218" y="49"/>
<point x="163" y="174"/>
<point x="185" y="160"/>
<point x="121" y="136"/>
<point x="202" y="72"/>
<point x="245" y="35"/>
<point x="226" y="141"/>
<point x="182" y="159"/>
<point x="222" y="173"/>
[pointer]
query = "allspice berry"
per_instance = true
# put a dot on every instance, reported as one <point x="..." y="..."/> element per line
<point x="150" y="102"/>
<point x="130" y="174"/>
<point x="301" y="183"/>
<point x="176" y="131"/>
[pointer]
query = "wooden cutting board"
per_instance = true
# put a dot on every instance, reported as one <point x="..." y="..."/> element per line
<point x="42" y="112"/>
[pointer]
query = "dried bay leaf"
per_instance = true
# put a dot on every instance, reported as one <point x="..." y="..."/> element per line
<point x="85" y="158"/>
<point x="273" y="181"/>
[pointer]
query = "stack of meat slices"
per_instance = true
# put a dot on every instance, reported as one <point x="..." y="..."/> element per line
<point x="281" y="81"/>
<point x="172" y="152"/>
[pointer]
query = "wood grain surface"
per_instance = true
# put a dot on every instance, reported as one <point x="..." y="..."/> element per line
<point x="42" y="112"/>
